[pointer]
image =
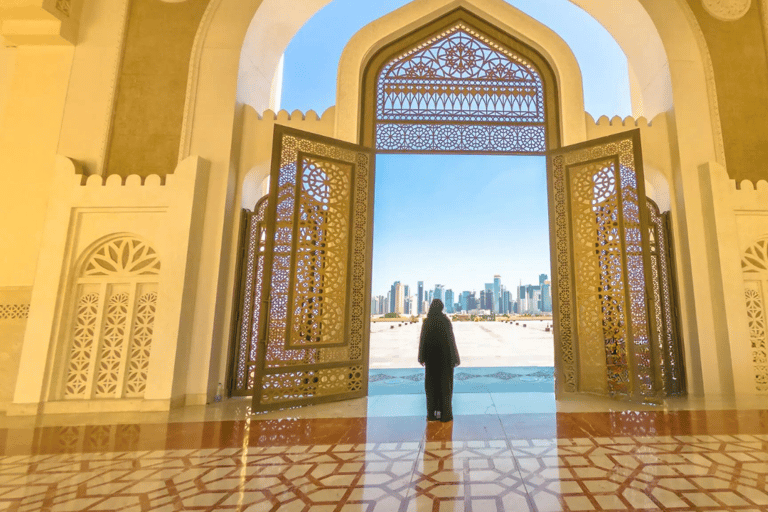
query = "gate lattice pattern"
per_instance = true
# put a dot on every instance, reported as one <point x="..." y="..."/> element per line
<point x="601" y="269"/>
<point x="250" y="299"/>
<point x="316" y="264"/>
<point x="667" y="337"/>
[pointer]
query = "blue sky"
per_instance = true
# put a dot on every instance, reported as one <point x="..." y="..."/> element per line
<point x="456" y="220"/>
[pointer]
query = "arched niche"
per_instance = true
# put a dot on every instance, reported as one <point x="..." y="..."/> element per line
<point x="107" y="336"/>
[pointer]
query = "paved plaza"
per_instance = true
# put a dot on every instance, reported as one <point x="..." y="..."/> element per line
<point x="480" y="344"/>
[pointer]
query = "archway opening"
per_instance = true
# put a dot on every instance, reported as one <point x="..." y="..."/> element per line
<point x="426" y="112"/>
<point x="472" y="231"/>
<point x="462" y="113"/>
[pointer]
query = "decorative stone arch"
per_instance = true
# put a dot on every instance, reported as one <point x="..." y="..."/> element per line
<point x="754" y="266"/>
<point x="495" y="18"/>
<point x="232" y="30"/>
<point x="106" y="336"/>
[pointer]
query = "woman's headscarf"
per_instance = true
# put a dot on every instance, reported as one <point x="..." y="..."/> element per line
<point x="436" y="308"/>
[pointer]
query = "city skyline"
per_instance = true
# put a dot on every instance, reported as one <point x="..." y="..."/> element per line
<point x="431" y="287"/>
<point x="494" y="297"/>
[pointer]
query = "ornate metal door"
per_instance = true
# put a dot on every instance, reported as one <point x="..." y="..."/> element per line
<point x="602" y="269"/>
<point x="667" y="337"/>
<point x="248" y="298"/>
<point x="313" y="325"/>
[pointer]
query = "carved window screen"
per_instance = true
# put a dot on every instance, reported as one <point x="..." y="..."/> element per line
<point x="313" y="326"/>
<point x="110" y="339"/>
<point x="460" y="91"/>
<point x="249" y="298"/>
<point x="754" y="265"/>
<point x="602" y="268"/>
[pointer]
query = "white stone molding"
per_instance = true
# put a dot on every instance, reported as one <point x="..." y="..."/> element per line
<point x="727" y="10"/>
<point x="118" y="258"/>
<point x="737" y="220"/>
<point x="93" y="81"/>
<point x="711" y="85"/>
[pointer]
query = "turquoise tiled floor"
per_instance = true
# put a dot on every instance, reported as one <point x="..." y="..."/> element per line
<point x="525" y="379"/>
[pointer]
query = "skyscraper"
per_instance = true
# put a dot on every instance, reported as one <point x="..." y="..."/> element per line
<point x="486" y="299"/>
<point x="440" y="292"/>
<point x="506" y="299"/>
<point x="546" y="297"/>
<point x="392" y="296"/>
<point x="496" y="293"/>
<point x="399" y="298"/>
<point x="471" y="301"/>
<point x="463" y="300"/>
<point x="449" y="301"/>
<point x="420" y="303"/>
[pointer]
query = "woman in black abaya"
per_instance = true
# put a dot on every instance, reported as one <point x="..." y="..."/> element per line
<point x="438" y="356"/>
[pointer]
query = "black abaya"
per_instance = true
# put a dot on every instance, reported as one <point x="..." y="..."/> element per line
<point x="438" y="354"/>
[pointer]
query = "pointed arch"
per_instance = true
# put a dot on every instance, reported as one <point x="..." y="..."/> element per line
<point x="466" y="87"/>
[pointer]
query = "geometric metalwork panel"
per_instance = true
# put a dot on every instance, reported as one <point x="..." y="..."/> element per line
<point x="249" y="300"/>
<point x="312" y="328"/>
<point x="109" y="345"/>
<point x="317" y="313"/>
<point x="460" y="92"/>
<point x="666" y="337"/>
<point x="754" y="266"/>
<point x="603" y="267"/>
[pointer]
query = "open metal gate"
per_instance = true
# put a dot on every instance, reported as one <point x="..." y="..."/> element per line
<point x="602" y="269"/>
<point x="248" y="300"/>
<point x="313" y="322"/>
<point x="667" y="336"/>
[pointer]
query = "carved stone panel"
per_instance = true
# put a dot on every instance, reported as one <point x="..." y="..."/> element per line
<point x="754" y="266"/>
<point x="110" y="338"/>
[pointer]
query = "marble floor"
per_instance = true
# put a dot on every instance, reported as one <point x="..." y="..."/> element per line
<point x="503" y="451"/>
